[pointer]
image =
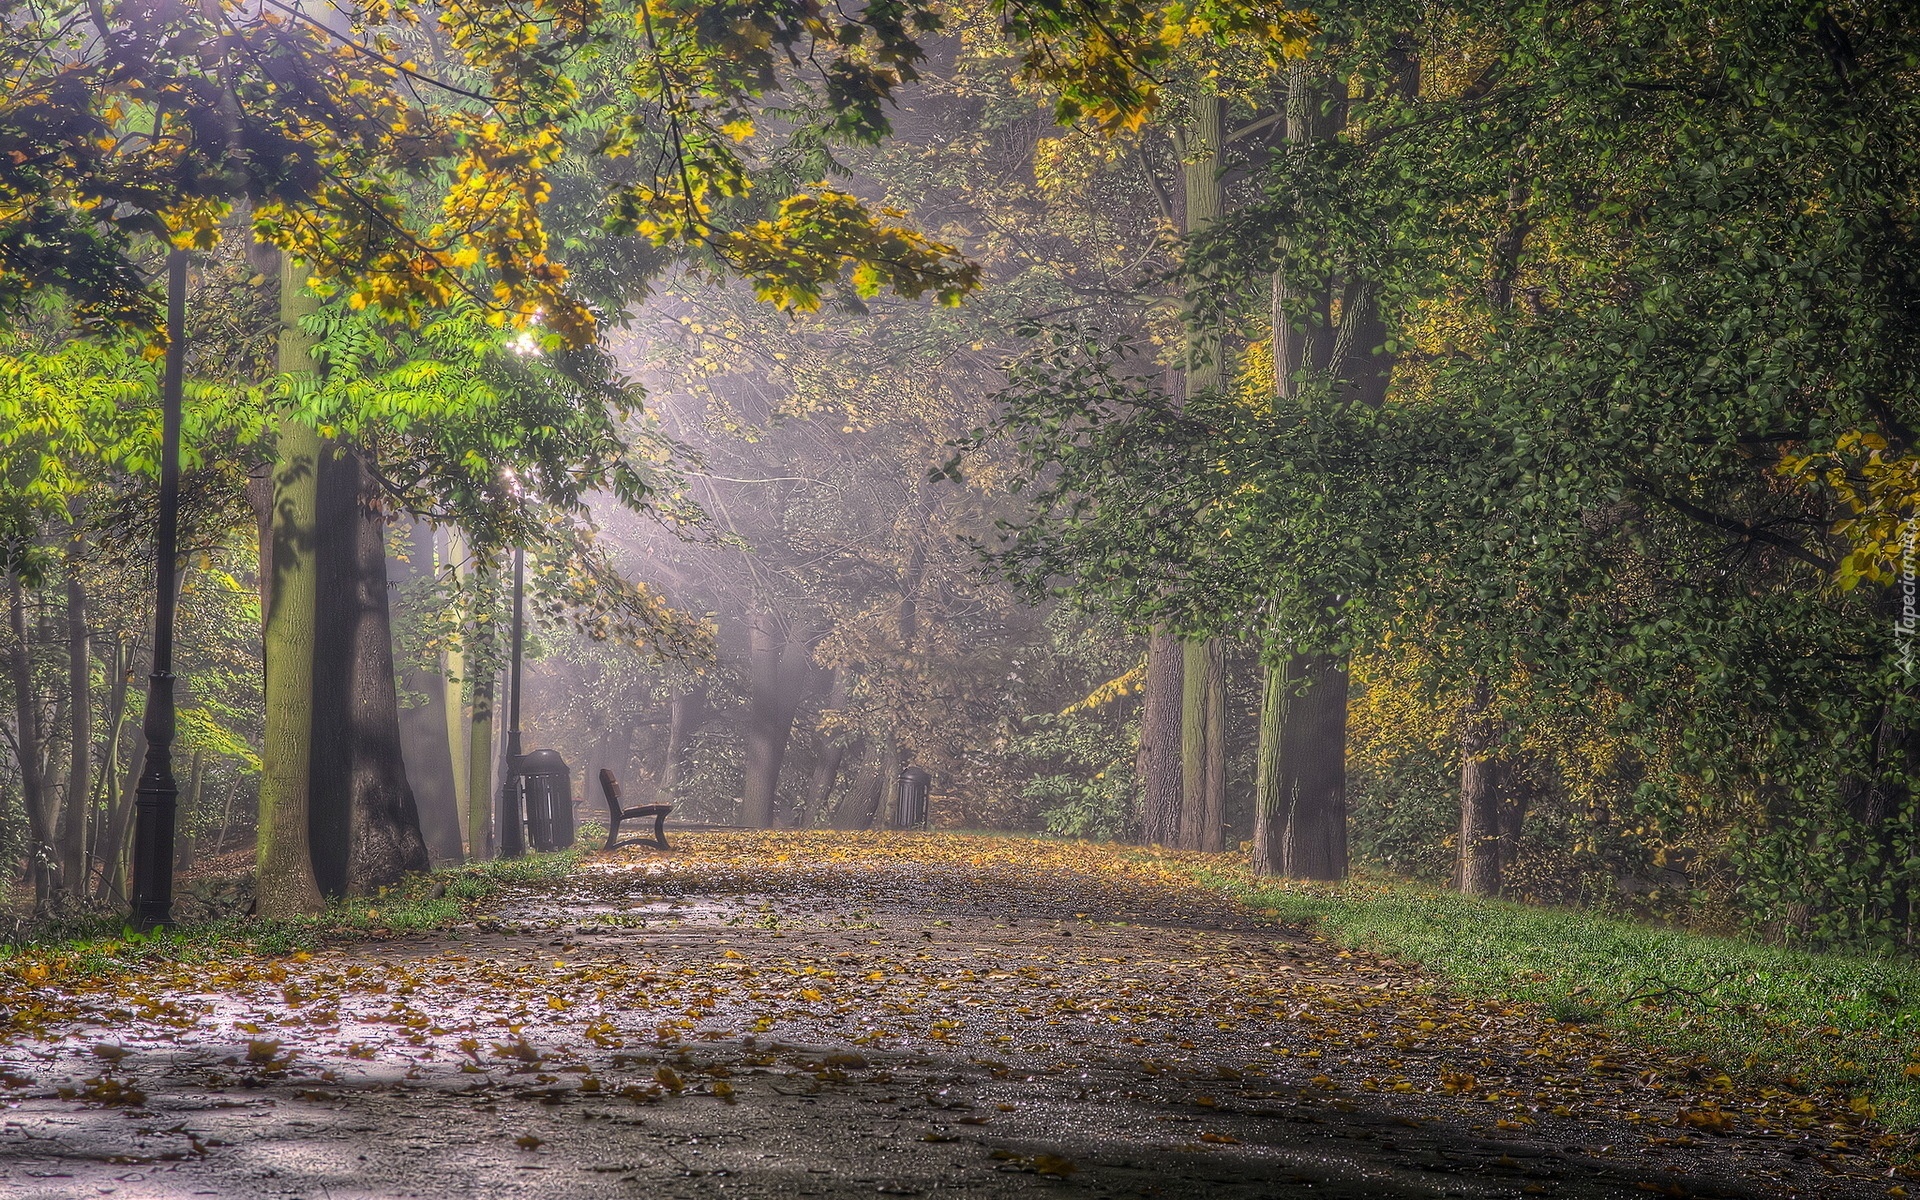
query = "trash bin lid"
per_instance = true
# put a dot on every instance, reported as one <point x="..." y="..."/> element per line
<point x="915" y="775"/>
<point x="543" y="762"/>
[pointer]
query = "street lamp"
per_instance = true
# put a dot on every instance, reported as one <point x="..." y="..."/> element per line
<point x="513" y="838"/>
<point x="157" y="795"/>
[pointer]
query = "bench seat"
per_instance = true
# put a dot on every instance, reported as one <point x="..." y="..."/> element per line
<point x="610" y="787"/>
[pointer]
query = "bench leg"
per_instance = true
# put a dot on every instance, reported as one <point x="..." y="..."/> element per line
<point x="613" y="834"/>
<point x="660" y="831"/>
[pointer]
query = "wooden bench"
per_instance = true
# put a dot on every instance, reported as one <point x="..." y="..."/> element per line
<point x="615" y="814"/>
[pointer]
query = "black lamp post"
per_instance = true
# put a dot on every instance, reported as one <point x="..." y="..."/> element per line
<point x="157" y="795"/>
<point x="513" y="836"/>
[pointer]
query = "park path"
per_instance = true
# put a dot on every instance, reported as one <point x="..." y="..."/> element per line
<point x="782" y="1015"/>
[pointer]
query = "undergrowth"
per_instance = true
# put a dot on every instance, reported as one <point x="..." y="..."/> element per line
<point x="1802" y="1019"/>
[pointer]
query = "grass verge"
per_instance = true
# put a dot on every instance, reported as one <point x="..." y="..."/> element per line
<point x="91" y="944"/>
<point x="1849" y="1023"/>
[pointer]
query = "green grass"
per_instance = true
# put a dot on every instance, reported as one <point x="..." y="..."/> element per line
<point x="1841" y="1021"/>
<point x="102" y="943"/>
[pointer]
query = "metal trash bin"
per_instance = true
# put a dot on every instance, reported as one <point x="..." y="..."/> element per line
<point x="546" y="784"/>
<point x="910" y="810"/>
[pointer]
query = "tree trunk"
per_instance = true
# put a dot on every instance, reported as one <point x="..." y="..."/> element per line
<point x="260" y="492"/>
<point x="1479" y="872"/>
<point x="1196" y="681"/>
<point x="425" y="738"/>
<point x="685" y="713"/>
<point x="73" y="838"/>
<point x="1157" y="765"/>
<point x="887" y="793"/>
<point x="1300" y="791"/>
<point x="828" y="752"/>
<point x="480" y="835"/>
<point x="284" y="868"/>
<point x="1200" y="147"/>
<point x="123" y="654"/>
<point x="1269" y="788"/>
<point x="30" y="745"/>
<point x="1213" y="826"/>
<point x="1314" y="771"/>
<point x="363" y="824"/>
<point x="860" y="805"/>
<point x="1300" y="802"/>
<point x="226" y="816"/>
<point x="112" y="850"/>
<point x="453" y="669"/>
<point x="196" y="770"/>
<point x="777" y="667"/>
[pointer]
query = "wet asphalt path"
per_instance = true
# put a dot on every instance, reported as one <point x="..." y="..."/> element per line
<point x="672" y="1029"/>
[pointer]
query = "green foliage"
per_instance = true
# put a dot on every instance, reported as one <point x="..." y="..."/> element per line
<point x="1632" y="269"/>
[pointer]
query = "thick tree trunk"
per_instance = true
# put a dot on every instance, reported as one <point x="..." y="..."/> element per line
<point x="480" y="834"/>
<point x="453" y="669"/>
<point x="859" y="808"/>
<point x="1213" y="826"/>
<point x="30" y="744"/>
<point x="1200" y="144"/>
<point x="284" y="868"/>
<point x="1300" y="790"/>
<point x="685" y="713"/>
<point x="1479" y="871"/>
<point x="363" y="824"/>
<point x="829" y="750"/>
<point x="1270" y="798"/>
<point x="1314" y="769"/>
<point x="260" y="499"/>
<point x="1196" y="682"/>
<point x="779" y="662"/>
<point x="1300" y="795"/>
<point x="73" y="834"/>
<point x="887" y="800"/>
<point x="1157" y="764"/>
<point x="425" y="738"/>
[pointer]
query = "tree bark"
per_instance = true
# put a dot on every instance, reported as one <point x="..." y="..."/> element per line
<point x="73" y="837"/>
<point x="1196" y="681"/>
<point x="1157" y="764"/>
<point x="685" y="713"/>
<point x="453" y="669"/>
<point x="1479" y="871"/>
<point x="112" y="849"/>
<point x="123" y="654"/>
<point x="29" y="745"/>
<point x="480" y="834"/>
<point x="363" y="823"/>
<point x="425" y="738"/>
<point x="828" y="752"/>
<point x="1313" y="753"/>
<point x="184" y="838"/>
<point x="859" y="807"/>
<point x="1269" y="788"/>
<point x="1213" y="826"/>
<point x="1300" y="809"/>
<point x="284" y="868"/>
<point x="1300" y="791"/>
<point x="779" y="662"/>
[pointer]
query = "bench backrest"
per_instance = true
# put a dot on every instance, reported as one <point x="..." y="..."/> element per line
<point x="611" y="787"/>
